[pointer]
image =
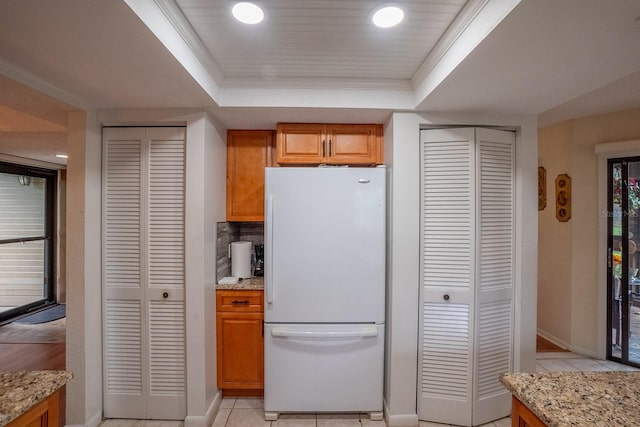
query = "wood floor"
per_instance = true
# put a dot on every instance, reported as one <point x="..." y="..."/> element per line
<point x="30" y="356"/>
<point x="543" y="345"/>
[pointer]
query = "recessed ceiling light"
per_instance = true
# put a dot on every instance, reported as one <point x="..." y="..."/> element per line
<point x="388" y="15"/>
<point x="62" y="156"/>
<point x="247" y="13"/>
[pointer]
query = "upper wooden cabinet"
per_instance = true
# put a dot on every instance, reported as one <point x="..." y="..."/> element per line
<point x="336" y="144"/>
<point x="248" y="153"/>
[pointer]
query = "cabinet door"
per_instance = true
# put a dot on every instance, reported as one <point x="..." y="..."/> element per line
<point x="354" y="144"/>
<point x="248" y="152"/>
<point x="301" y="143"/>
<point x="522" y="416"/>
<point x="240" y="351"/>
<point x="43" y="414"/>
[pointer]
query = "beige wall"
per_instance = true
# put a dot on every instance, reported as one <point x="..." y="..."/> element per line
<point x="569" y="264"/>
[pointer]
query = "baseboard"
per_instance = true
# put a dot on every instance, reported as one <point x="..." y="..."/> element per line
<point x="584" y="351"/>
<point x="405" y="420"/>
<point x="94" y="421"/>
<point x="573" y="348"/>
<point x="209" y="416"/>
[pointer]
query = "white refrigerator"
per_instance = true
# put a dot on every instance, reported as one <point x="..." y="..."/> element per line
<point x="324" y="290"/>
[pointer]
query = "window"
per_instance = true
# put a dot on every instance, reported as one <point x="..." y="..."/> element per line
<point x="26" y="239"/>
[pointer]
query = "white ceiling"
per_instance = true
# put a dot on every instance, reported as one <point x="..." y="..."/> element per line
<point x="319" y="38"/>
<point x="319" y="60"/>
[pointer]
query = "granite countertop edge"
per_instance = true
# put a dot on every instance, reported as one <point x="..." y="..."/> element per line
<point x="596" y="398"/>
<point x="21" y="390"/>
<point x="249" y="284"/>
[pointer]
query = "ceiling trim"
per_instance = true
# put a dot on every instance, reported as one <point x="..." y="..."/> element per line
<point x="458" y="26"/>
<point x="320" y="83"/>
<point x="179" y="22"/>
<point x="314" y="98"/>
<point x="169" y="24"/>
<point x="163" y="26"/>
<point x="483" y="22"/>
<point x="31" y="80"/>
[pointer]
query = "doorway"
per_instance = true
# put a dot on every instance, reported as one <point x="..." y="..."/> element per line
<point x="623" y="252"/>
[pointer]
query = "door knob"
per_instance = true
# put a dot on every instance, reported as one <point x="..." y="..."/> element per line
<point x="446" y="297"/>
<point x="165" y="294"/>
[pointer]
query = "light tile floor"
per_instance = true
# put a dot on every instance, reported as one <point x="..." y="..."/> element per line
<point x="248" y="412"/>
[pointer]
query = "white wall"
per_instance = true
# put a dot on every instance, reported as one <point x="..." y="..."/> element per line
<point x="205" y="204"/>
<point x="205" y="200"/>
<point x="402" y="156"/>
<point x="215" y="184"/>
<point x="84" y="322"/>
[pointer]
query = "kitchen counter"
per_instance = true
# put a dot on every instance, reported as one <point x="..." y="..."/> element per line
<point x="21" y="390"/>
<point x="606" y="399"/>
<point x="250" y="284"/>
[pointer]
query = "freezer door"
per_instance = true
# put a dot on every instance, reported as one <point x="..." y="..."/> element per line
<point x="323" y="368"/>
<point x="325" y="245"/>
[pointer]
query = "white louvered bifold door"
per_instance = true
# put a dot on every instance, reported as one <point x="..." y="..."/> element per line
<point x="494" y="275"/>
<point x="467" y="275"/>
<point x="143" y="273"/>
<point x="446" y="339"/>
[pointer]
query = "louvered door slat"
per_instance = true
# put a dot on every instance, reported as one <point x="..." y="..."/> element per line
<point x="166" y="213"/>
<point x="143" y="235"/>
<point x="467" y="275"/>
<point x="122" y="276"/>
<point x="123" y="163"/>
<point x="167" y="367"/>
<point x="495" y="220"/>
<point x="446" y="357"/>
<point x="446" y="214"/>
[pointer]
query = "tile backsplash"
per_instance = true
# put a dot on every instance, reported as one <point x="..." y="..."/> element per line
<point x="230" y="232"/>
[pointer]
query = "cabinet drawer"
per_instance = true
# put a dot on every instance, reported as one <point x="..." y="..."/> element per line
<point x="239" y="301"/>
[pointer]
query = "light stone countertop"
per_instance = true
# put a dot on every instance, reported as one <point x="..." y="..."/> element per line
<point x="20" y="390"/>
<point x="251" y="284"/>
<point x="606" y="399"/>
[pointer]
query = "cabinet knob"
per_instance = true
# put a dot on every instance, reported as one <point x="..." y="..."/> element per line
<point x="165" y="295"/>
<point x="446" y="297"/>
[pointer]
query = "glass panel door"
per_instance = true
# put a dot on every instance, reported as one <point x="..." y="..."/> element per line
<point x="26" y="239"/>
<point x="624" y="261"/>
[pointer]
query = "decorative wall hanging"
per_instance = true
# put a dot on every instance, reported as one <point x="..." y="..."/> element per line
<point x="542" y="188"/>
<point x="563" y="197"/>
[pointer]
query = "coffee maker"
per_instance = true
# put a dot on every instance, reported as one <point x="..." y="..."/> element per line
<point x="259" y="266"/>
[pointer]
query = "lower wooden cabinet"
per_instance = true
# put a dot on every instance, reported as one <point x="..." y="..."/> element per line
<point x="43" y="414"/>
<point x="240" y="342"/>
<point x="521" y="416"/>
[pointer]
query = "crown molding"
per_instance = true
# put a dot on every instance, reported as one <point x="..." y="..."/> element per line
<point x="466" y="16"/>
<point x="29" y="79"/>
<point x="181" y="25"/>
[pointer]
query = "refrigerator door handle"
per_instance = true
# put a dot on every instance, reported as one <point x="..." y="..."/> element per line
<point x="362" y="332"/>
<point x="269" y="251"/>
